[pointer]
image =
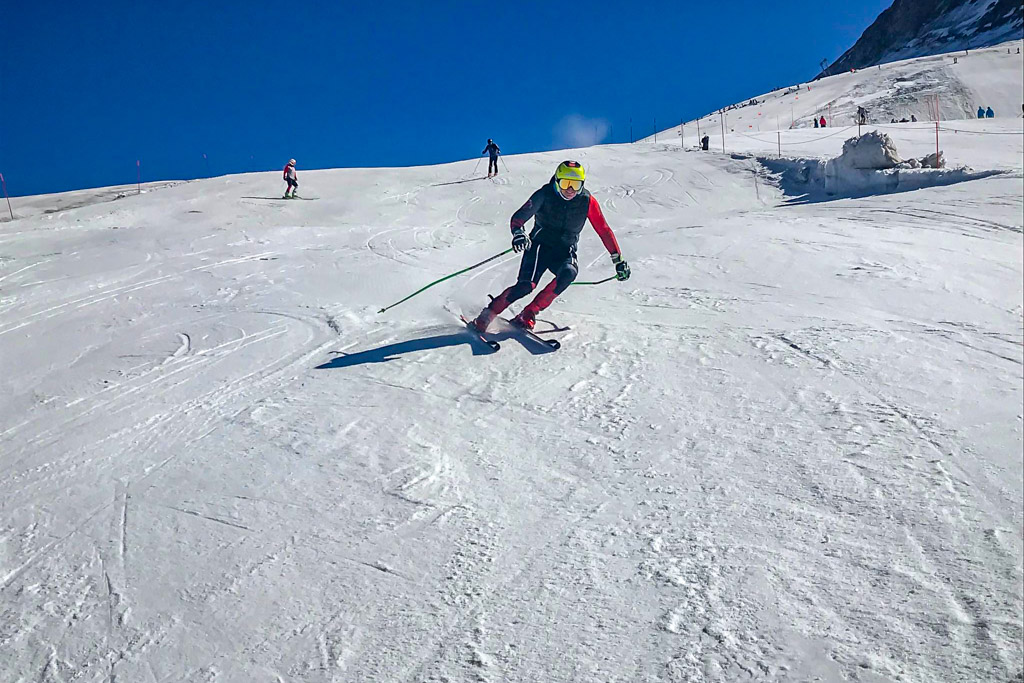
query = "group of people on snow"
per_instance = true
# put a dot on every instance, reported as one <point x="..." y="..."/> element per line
<point x="984" y="113"/>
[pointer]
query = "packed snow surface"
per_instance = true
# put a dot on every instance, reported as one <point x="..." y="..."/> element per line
<point x="787" y="449"/>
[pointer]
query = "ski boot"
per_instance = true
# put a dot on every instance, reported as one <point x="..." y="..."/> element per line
<point x="482" y="321"/>
<point x="525" y="320"/>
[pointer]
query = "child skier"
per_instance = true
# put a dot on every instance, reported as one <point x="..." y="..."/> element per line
<point x="292" y="178"/>
<point x="560" y="210"/>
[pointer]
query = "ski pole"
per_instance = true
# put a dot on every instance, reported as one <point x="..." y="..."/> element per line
<point x="477" y="165"/>
<point x="446" y="277"/>
<point x="595" y="283"/>
<point x="504" y="164"/>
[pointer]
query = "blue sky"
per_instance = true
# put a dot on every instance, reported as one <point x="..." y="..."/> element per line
<point x="88" y="88"/>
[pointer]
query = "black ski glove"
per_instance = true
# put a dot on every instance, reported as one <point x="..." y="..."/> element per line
<point x="621" y="268"/>
<point x="520" y="242"/>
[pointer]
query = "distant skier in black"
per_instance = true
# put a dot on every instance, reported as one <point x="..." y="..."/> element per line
<point x="492" y="150"/>
<point x="704" y="142"/>
<point x="560" y="209"/>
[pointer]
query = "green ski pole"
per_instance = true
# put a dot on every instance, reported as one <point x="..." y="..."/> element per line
<point x="446" y="277"/>
<point x="595" y="283"/>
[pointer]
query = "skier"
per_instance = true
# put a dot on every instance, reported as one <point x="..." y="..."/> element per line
<point x="292" y="178"/>
<point x="493" y="151"/>
<point x="981" y="112"/>
<point x="815" y="123"/>
<point x="560" y="210"/>
<point x="704" y="142"/>
<point x="821" y="122"/>
<point x="989" y="114"/>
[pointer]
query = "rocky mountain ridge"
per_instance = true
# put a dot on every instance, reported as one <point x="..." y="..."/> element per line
<point x="916" y="28"/>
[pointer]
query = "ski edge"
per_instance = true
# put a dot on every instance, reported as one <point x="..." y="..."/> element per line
<point x="553" y="344"/>
<point x="469" y="326"/>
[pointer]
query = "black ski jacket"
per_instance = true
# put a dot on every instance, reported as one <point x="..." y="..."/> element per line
<point x="558" y="223"/>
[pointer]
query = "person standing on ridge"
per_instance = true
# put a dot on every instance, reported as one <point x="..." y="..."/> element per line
<point x="559" y="211"/>
<point x="292" y="178"/>
<point x="822" y="122"/>
<point x="989" y="113"/>
<point x="492" y="150"/>
<point x="705" y="142"/>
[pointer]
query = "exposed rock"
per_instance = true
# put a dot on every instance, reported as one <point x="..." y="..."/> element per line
<point x="915" y="28"/>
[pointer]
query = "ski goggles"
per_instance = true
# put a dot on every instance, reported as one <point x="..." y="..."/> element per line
<point x="566" y="183"/>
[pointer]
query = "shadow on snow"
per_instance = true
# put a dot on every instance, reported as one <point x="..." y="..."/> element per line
<point x="458" y="182"/>
<point x="814" y="181"/>
<point x="389" y="352"/>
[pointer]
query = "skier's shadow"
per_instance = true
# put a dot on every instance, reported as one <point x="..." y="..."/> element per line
<point x="389" y="352"/>
<point x="458" y="182"/>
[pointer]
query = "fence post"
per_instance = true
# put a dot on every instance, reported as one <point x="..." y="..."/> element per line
<point x="138" y="175"/>
<point x="779" y="133"/>
<point x="936" y="144"/>
<point x="4" y="184"/>
<point x="722" y="116"/>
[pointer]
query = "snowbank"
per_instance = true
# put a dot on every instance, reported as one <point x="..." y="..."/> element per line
<point x="872" y="151"/>
<point x="869" y="164"/>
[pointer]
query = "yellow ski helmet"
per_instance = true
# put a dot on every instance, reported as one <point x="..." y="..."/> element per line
<point x="570" y="170"/>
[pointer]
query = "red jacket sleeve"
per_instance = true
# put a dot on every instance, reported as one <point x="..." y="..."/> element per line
<point x="601" y="227"/>
<point x="527" y="210"/>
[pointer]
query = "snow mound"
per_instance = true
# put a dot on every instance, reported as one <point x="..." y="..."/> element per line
<point x="869" y="165"/>
<point x="872" y="151"/>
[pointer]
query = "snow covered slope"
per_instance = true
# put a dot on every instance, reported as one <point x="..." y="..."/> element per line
<point x="787" y="449"/>
<point x="987" y="78"/>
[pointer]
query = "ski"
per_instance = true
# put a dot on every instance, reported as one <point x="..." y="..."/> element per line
<point x="479" y="335"/>
<point x="552" y="344"/>
<point x="274" y="199"/>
